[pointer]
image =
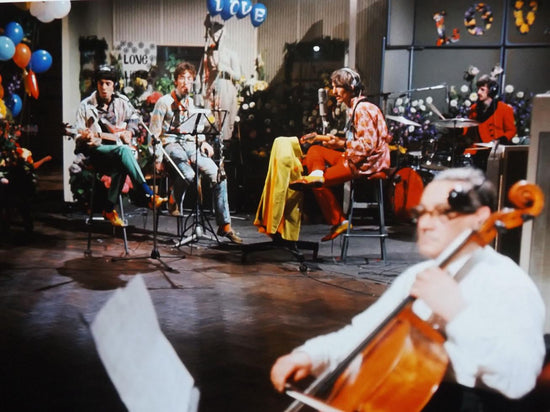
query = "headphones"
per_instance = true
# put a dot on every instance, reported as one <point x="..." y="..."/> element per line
<point x="493" y="89"/>
<point x="468" y="201"/>
<point x="355" y="78"/>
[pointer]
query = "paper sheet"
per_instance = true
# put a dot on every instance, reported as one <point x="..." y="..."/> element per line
<point x="140" y="361"/>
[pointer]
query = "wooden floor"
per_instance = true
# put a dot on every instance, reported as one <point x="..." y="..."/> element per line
<point x="228" y="320"/>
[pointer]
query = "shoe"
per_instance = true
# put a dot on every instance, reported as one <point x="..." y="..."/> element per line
<point x="336" y="231"/>
<point x="173" y="209"/>
<point x="232" y="236"/>
<point x="307" y="181"/>
<point x="114" y="218"/>
<point x="156" y="201"/>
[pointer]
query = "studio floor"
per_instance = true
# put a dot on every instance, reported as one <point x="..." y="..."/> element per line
<point x="227" y="317"/>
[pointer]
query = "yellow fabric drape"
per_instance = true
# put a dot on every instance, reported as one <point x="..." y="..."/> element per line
<point x="279" y="210"/>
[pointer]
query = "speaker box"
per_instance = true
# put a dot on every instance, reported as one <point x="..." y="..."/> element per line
<point x="535" y="242"/>
<point x="506" y="166"/>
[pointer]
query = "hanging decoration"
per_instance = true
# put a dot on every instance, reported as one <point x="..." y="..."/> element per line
<point x="470" y="19"/>
<point x="442" y="37"/>
<point x="524" y="24"/>
<point x="240" y="8"/>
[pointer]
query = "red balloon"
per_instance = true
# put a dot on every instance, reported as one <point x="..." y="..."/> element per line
<point x="32" y="84"/>
<point x="22" y="55"/>
<point x="1" y="91"/>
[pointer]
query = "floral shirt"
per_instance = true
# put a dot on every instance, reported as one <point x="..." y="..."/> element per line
<point x="367" y="151"/>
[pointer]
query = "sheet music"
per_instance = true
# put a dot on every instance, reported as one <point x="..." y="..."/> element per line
<point x="143" y="366"/>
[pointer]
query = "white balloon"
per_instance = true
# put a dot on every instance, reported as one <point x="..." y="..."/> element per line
<point x="37" y="8"/>
<point x="48" y="12"/>
<point x="61" y="8"/>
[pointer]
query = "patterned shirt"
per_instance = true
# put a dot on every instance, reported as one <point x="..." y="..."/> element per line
<point x="368" y="151"/>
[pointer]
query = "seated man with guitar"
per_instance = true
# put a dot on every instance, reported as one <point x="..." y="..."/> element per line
<point x="105" y="128"/>
<point x="365" y="150"/>
<point x="174" y="124"/>
<point x="484" y="313"/>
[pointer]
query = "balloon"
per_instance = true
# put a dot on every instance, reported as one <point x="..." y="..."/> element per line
<point x="14" y="31"/>
<point x="244" y="9"/>
<point x="22" y="55"/>
<point x="7" y="48"/>
<point x="37" y="8"/>
<point x="61" y="8"/>
<point x="258" y="14"/>
<point x="215" y="6"/>
<point x="1" y="92"/>
<point x="31" y="84"/>
<point x="15" y="104"/>
<point x="41" y="61"/>
<point x="230" y="8"/>
<point x="43" y="11"/>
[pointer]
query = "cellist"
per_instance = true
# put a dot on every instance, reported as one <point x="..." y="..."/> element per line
<point x="491" y="311"/>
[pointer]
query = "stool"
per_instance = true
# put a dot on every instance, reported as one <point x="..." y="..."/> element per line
<point x="90" y="219"/>
<point x="380" y="233"/>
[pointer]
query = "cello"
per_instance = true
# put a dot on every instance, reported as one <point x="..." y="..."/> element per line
<point x="400" y="365"/>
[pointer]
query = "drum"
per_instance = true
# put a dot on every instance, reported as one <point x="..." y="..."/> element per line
<point x="408" y="185"/>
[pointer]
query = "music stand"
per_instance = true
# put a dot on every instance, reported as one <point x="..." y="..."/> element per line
<point x="196" y="224"/>
<point x="155" y="254"/>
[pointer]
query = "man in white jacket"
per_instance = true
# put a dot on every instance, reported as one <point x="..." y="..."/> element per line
<point x="491" y="313"/>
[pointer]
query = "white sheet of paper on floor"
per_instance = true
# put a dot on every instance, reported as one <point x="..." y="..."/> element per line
<point x="141" y="362"/>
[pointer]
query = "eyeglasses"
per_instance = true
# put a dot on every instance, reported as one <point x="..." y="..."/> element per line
<point x="440" y="212"/>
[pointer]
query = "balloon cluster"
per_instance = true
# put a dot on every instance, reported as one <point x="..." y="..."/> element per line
<point x="32" y="63"/>
<point x="239" y="8"/>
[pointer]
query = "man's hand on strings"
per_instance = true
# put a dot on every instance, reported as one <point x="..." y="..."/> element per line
<point x="125" y="136"/>
<point x="207" y="150"/>
<point x="334" y="142"/>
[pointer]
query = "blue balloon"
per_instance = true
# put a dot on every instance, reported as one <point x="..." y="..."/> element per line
<point x="41" y="61"/>
<point x="215" y="6"/>
<point x="244" y="9"/>
<point x="14" y="31"/>
<point x="230" y="8"/>
<point x="7" y="48"/>
<point x="15" y="104"/>
<point x="258" y="14"/>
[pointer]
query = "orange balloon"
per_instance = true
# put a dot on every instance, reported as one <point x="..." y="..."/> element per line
<point x="22" y="55"/>
<point x="31" y="84"/>
<point x="1" y="92"/>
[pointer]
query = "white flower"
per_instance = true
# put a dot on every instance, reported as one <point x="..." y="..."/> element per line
<point x="454" y="103"/>
<point x="509" y="88"/>
<point x="420" y="101"/>
<point x="467" y="103"/>
<point x="237" y="119"/>
<point x="429" y="99"/>
<point x="413" y="110"/>
<point x="411" y="128"/>
<point x="401" y="109"/>
<point x="252" y="105"/>
<point x="245" y="106"/>
<point x="414" y="103"/>
<point x="464" y="88"/>
<point x="399" y="101"/>
<point x="473" y="70"/>
<point x="473" y="97"/>
<point x="520" y="95"/>
<point x="422" y="108"/>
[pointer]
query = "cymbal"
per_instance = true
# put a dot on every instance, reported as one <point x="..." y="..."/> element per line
<point x="457" y="122"/>
<point x="402" y="120"/>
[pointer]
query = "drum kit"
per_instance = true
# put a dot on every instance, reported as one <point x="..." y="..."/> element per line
<point x="418" y="168"/>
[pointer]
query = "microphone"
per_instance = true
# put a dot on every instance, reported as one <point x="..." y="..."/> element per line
<point x="322" y="97"/>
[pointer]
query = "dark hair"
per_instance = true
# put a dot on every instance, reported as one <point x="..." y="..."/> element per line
<point x="348" y="79"/>
<point x="182" y="68"/>
<point x="106" y="72"/>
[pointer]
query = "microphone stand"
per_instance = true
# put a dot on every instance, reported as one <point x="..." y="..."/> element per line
<point x="155" y="254"/>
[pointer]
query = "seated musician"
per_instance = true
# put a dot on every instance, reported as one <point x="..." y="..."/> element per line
<point x="170" y="121"/>
<point x="364" y="151"/>
<point x="490" y="312"/>
<point x="105" y="128"/>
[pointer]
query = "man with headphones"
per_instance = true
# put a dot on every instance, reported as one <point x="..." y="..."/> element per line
<point x="496" y="118"/>
<point x="488" y="309"/>
<point x="105" y="123"/>
<point x="364" y="150"/>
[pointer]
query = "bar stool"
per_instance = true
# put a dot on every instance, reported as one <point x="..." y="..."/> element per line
<point x="354" y="205"/>
<point x="90" y="219"/>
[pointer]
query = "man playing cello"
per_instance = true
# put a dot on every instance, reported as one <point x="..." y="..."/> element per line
<point x="492" y="315"/>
